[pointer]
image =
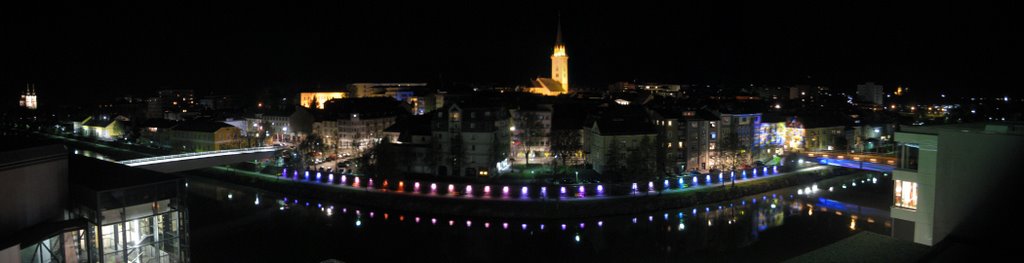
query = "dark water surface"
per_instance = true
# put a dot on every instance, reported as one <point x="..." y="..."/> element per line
<point x="228" y="224"/>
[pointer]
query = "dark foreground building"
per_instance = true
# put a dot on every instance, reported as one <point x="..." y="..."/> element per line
<point x="56" y="207"/>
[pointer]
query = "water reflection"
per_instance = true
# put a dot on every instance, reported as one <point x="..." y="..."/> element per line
<point x="778" y="225"/>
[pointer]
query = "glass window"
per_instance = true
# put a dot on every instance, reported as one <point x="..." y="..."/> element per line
<point x="908" y="156"/>
<point x="905" y="194"/>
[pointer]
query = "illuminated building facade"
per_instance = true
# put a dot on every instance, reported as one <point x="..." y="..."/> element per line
<point x="317" y="99"/>
<point x="103" y="127"/>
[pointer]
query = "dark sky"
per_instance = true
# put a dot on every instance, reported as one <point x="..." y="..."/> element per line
<point x="94" y="52"/>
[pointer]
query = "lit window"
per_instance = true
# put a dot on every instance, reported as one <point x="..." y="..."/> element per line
<point x="905" y="194"/>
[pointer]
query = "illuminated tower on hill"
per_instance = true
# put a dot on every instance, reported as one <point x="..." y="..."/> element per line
<point x="560" y="61"/>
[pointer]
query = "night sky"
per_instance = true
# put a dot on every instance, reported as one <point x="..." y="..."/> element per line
<point x="96" y="52"/>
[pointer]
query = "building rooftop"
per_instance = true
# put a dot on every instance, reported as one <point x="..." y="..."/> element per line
<point x="1004" y="128"/>
<point x="15" y="153"/>
<point x="412" y="125"/>
<point x="619" y="120"/>
<point x="201" y="126"/>
<point x="99" y="121"/>
<point x="99" y="176"/>
<point x="158" y="123"/>
<point x="364" y="107"/>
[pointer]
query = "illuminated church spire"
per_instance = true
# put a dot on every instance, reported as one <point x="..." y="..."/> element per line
<point x="560" y="61"/>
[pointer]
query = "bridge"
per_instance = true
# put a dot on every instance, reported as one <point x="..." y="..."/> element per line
<point x="871" y="162"/>
<point x="199" y="160"/>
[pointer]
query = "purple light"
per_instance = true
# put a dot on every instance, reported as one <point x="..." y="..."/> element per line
<point x="295" y="174"/>
<point x="650" y="218"/>
<point x="504" y="225"/>
<point x="417" y="219"/>
<point x="487" y="224"/>
<point x="720" y="177"/>
<point x="563" y="227"/>
<point x="582" y="192"/>
<point x="504" y="190"/>
<point x="416" y="187"/>
<point x="284" y="173"/>
<point x="317" y="176"/>
<point x="451" y="222"/>
<point x="600" y="189"/>
<point x="370" y="183"/>
<point x="694" y="211"/>
<point x="307" y="175"/>
<point x="666" y="184"/>
<point x="343" y="179"/>
<point x="650" y="186"/>
<point x="765" y="170"/>
<point x="544" y="191"/>
<point x="469" y="190"/>
<point x="541" y="226"/>
<point x="330" y="177"/>
<point x="433" y="187"/>
<point x="707" y="179"/>
<point x="600" y="223"/>
<point x="356" y="182"/>
<point x="582" y="225"/>
<point x="562" y="190"/>
<point x="634" y="188"/>
<point x="525" y="191"/>
<point x="433" y="221"/>
<point x="371" y="213"/>
<point x="634" y="220"/>
<point x="524" y="227"/>
<point x="451" y="189"/>
<point x="694" y="180"/>
<point x="487" y="189"/>
<point x="469" y="223"/>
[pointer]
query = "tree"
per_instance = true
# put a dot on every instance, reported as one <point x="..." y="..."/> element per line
<point x="613" y="159"/>
<point x="311" y="144"/>
<point x="841" y="143"/>
<point x="728" y="151"/>
<point x="565" y="144"/>
<point x="640" y="163"/>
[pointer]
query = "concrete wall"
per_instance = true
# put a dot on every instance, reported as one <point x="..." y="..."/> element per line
<point x="969" y="166"/>
<point x="33" y="190"/>
<point x="925" y="178"/>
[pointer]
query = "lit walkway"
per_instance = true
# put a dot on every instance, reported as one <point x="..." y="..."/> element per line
<point x="191" y="161"/>
<point x="195" y="156"/>
<point x="523" y="192"/>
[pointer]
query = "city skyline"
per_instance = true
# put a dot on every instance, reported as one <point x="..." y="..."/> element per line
<point x="96" y="53"/>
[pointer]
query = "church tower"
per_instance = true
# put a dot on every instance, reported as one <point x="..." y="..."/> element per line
<point x="28" y="98"/>
<point x="560" y="61"/>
